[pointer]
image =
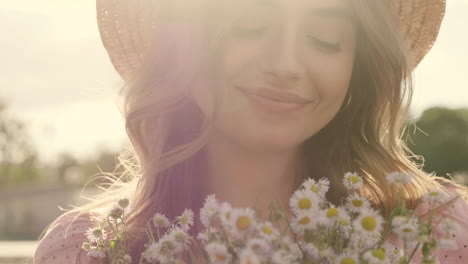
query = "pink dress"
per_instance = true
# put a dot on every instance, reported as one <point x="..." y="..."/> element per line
<point x="62" y="242"/>
<point x="61" y="246"/>
<point x="458" y="212"/>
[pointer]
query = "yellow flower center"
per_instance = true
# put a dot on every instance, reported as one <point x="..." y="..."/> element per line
<point x="243" y="222"/>
<point x="314" y="188"/>
<point x="332" y="212"/>
<point x="305" y="203"/>
<point x="434" y="193"/>
<point x="407" y="230"/>
<point x="379" y="253"/>
<point x="344" y="222"/>
<point x="220" y="257"/>
<point x="267" y="230"/>
<point x="228" y="214"/>
<point x="97" y="232"/>
<point x="304" y="220"/>
<point x="368" y="223"/>
<point x="357" y="203"/>
<point x="354" y="179"/>
<point x="348" y="261"/>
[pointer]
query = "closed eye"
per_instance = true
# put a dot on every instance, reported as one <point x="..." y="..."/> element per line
<point x="253" y="32"/>
<point x="335" y="47"/>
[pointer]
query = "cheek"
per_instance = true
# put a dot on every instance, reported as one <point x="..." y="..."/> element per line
<point x="238" y="56"/>
<point x="331" y="77"/>
<point x="202" y="96"/>
<point x="216" y="87"/>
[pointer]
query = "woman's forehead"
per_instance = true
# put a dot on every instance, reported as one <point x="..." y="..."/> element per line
<point x="307" y="4"/>
<point x="331" y="8"/>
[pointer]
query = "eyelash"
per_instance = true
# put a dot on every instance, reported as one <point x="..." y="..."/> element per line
<point x="246" y="32"/>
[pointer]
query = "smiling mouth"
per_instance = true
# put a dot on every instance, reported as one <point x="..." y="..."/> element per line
<point x="277" y="95"/>
<point x="274" y="105"/>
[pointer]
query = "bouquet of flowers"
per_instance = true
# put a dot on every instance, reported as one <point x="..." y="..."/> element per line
<point x="317" y="231"/>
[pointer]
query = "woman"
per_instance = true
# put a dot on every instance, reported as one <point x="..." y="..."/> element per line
<point x="246" y="99"/>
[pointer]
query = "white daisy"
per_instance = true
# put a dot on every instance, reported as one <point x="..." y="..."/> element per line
<point x="242" y="222"/>
<point x="320" y="188"/>
<point x="347" y="259"/>
<point x="292" y="248"/>
<point x="376" y="256"/>
<point x="304" y="200"/>
<point x="359" y="241"/>
<point x="407" y="229"/>
<point x="96" y="234"/>
<point x="334" y="214"/>
<point x="180" y="235"/>
<point x="399" y="220"/>
<point x="169" y="245"/>
<point x="267" y="231"/>
<point x="218" y="253"/>
<point x="433" y="196"/>
<point x="151" y="253"/>
<point x="399" y="177"/>
<point x="96" y="253"/>
<point x="311" y="250"/>
<point x="203" y="237"/>
<point x="355" y="203"/>
<point x="160" y="220"/>
<point x="352" y="181"/>
<point x="327" y="253"/>
<point x="282" y="256"/>
<point x="209" y="210"/>
<point x="156" y="253"/>
<point x="186" y="219"/>
<point x="248" y="256"/>
<point x="305" y="221"/>
<point x="225" y="213"/>
<point x="345" y="223"/>
<point x="393" y="254"/>
<point x="369" y="222"/>
<point x="259" y="246"/>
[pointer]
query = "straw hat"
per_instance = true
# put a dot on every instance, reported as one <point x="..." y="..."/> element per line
<point x="124" y="27"/>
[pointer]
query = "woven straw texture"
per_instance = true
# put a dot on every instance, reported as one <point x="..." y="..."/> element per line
<point x="125" y="26"/>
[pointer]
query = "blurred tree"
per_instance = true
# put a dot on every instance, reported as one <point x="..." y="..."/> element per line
<point x="18" y="160"/>
<point x="66" y="162"/>
<point x="106" y="161"/>
<point x="442" y="139"/>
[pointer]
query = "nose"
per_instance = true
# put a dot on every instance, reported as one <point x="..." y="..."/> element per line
<point x="283" y="69"/>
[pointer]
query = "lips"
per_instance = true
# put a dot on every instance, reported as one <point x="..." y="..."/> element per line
<point x="279" y="96"/>
<point x="276" y="102"/>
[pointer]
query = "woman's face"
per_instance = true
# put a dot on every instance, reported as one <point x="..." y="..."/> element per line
<point x="300" y="47"/>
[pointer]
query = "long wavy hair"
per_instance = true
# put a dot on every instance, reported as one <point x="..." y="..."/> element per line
<point x="163" y="166"/>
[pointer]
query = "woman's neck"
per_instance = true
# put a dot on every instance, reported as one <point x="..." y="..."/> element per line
<point x="249" y="177"/>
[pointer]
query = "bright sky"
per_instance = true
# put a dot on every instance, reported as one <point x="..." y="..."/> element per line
<point x="56" y="75"/>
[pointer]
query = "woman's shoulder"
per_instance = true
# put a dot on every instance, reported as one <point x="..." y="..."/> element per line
<point x="63" y="240"/>
<point x="452" y="201"/>
<point x="454" y="207"/>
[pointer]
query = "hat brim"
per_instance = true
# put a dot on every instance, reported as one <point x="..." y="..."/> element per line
<point x="125" y="25"/>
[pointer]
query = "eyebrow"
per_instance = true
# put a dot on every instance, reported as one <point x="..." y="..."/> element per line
<point x="338" y="12"/>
